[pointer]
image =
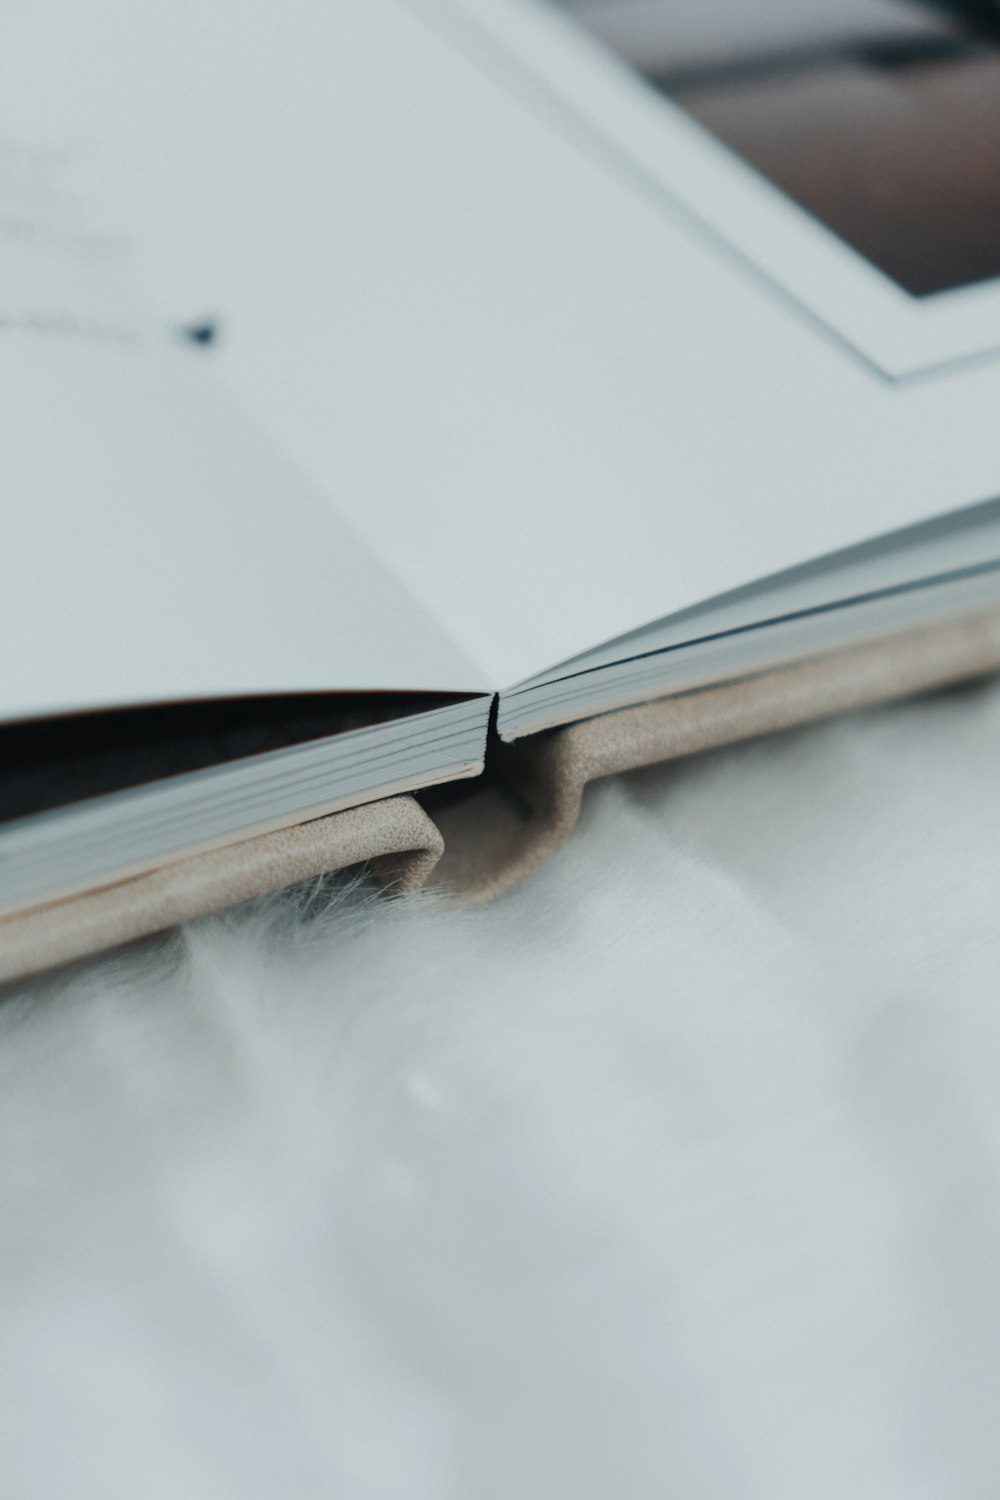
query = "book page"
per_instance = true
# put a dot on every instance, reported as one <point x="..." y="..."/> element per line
<point x="850" y="153"/>
<point x="543" y="387"/>
<point x="157" y="548"/>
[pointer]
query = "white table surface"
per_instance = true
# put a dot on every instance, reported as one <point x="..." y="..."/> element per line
<point x="676" y="1173"/>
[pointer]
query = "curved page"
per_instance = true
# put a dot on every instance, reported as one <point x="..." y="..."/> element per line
<point x="157" y="547"/>
<point x="504" y="341"/>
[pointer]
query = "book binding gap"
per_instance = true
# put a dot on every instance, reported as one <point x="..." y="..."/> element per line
<point x="486" y="842"/>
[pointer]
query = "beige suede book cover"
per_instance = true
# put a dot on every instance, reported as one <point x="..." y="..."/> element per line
<point x="494" y="835"/>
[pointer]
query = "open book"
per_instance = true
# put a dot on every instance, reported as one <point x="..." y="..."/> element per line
<point x="385" y="382"/>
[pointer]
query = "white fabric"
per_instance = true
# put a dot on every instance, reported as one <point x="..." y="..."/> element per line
<point x="676" y="1173"/>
